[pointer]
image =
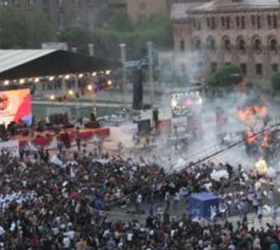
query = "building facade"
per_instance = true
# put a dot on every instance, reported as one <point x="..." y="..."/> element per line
<point x="68" y="13"/>
<point x="141" y="9"/>
<point x="243" y="32"/>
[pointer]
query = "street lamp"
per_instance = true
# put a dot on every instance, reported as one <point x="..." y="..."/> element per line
<point x="124" y="77"/>
<point x="151" y="71"/>
<point x="91" y="49"/>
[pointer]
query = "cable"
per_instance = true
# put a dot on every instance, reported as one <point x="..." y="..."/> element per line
<point x="198" y="162"/>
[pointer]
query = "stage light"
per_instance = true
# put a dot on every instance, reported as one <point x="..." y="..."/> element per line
<point x="52" y="97"/>
<point x="261" y="166"/>
<point x="22" y="81"/>
<point x="67" y="77"/>
<point x="6" y="82"/>
<point x="94" y="73"/>
<point x="37" y="79"/>
<point x="51" y="78"/>
<point x="71" y="92"/>
<point x="108" y="72"/>
<point x="109" y="82"/>
<point x="89" y="87"/>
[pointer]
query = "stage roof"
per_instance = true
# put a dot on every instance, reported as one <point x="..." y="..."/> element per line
<point x="46" y="62"/>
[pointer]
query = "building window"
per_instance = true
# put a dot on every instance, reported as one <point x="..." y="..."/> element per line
<point x="211" y="45"/>
<point x="213" y="67"/>
<point x="274" y="67"/>
<point x="242" y="46"/>
<point x="228" y="23"/>
<point x="223" y="22"/>
<point x="269" y="23"/>
<point x="197" y="44"/>
<point x="258" y="22"/>
<point x="253" y="21"/>
<point x="227" y="45"/>
<point x="237" y="22"/>
<point x="259" y="69"/>
<point x="243" y="26"/>
<point x="198" y="24"/>
<point x="274" y="20"/>
<point x="257" y="45"/>
<point x="243" y="67"/>
<point x="273" y="45"/>
<point x="194" y="23"/>
<point x="208" y="22"/>
<point x="213" y="22"/>
<point x="182" y="45"/>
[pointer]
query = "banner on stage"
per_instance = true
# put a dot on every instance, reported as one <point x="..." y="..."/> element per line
<point x="10" y="146"/>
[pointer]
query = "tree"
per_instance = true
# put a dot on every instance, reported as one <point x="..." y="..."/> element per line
<point x="21" y="29"/>
<point x="77" y="37"/>
<point x="120" y="21"/>
<point x="275" y="81"/>
<point x="227" y="76"/>
<point x="39" y="29"/>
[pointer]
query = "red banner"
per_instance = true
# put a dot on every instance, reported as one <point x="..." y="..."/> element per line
<point x="47" y="139"/>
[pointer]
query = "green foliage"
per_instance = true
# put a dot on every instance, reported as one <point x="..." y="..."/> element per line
<point x="275" y="81"/>
<point x="23" y="30"/>
<point x="225" y="77"/>
<point x="120" y="21"/>
<point x="76" y="37"/>
<point x="40" y="29"/>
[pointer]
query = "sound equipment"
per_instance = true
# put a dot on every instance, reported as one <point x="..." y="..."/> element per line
<point x="138" y="89"/>
<point x="92" y="124"/>
<point x="144" y="126"/>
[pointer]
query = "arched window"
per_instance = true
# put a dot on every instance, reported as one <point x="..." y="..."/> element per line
<point x="241" y="46"/>
<point x="197" y="44"/>
<point x="257" y="45"/>
<point x="227" y="45"/>
<point x="211" y="44"/>
<point x="273" y="45"/>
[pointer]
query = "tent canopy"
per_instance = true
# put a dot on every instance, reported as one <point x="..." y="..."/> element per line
<point x="16" y="64"/>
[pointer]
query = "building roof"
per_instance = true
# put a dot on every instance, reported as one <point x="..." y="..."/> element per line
<point x="180" y="10"/>
<point x="226" y="5"/>
<point x="43" y="62"/>
<point x="13" y="58"/>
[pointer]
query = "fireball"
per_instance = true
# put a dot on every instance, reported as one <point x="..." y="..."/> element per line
<point x="261" y="166"/>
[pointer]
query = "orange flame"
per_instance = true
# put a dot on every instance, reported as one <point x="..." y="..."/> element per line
<point x="252" y="137"/>
<point x="251" y="114"/>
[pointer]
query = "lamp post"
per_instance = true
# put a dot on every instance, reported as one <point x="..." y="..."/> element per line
<point x="91" y="49"/>
<point x="124" y="76"/>
<point x="0" y="37"/>
<point x="77" y="95"/>
<point x="151" y="71"/>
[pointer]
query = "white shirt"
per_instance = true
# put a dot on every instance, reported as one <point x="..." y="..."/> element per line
<point x="66" y="242"/>
<point x="139" y="198"/>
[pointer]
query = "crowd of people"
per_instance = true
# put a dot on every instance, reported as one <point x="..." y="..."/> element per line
<point x="68" y="202"/>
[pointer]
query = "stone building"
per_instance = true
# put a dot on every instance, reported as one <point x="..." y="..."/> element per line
<point x="244" y="32"/>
